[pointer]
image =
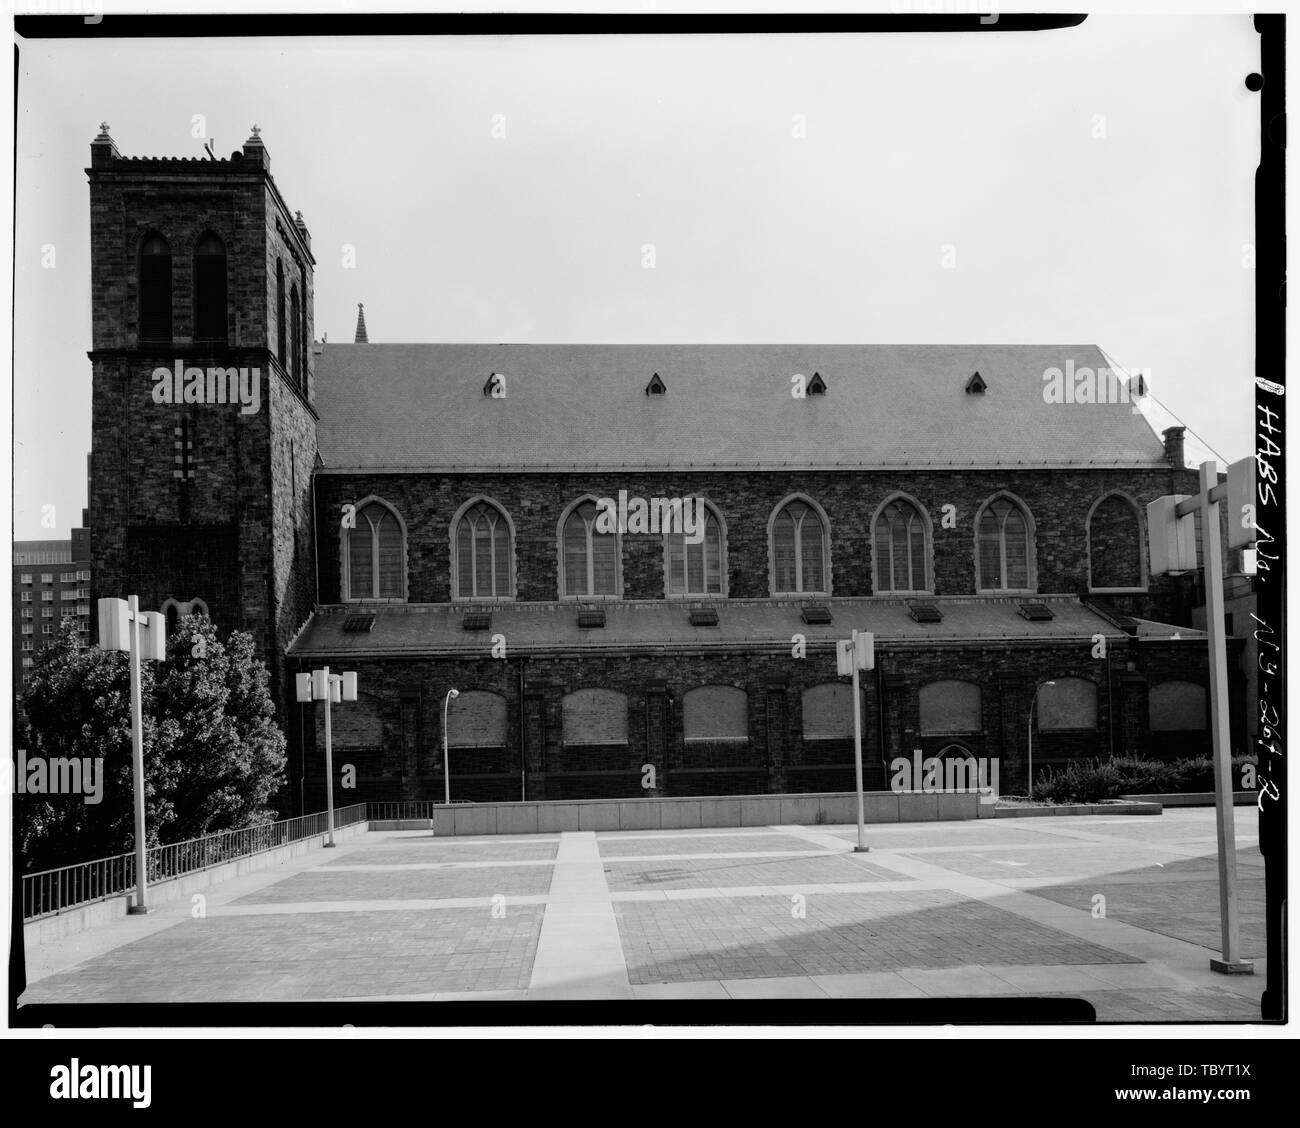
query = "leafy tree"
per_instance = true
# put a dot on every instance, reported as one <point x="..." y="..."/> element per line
<point x="212" y="753"/>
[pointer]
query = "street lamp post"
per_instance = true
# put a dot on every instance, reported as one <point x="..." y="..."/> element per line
<point x="1031" y="734"/>
<point x="446" y="763"/>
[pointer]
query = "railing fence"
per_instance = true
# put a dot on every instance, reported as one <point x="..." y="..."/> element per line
<point x="67" y="887"/>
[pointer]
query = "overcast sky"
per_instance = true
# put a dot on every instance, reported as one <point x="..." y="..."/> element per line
<point x="1094" y="184"/>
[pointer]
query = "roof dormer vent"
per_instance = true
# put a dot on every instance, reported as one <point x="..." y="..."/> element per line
<point x="656" y="387"/>
<point x="975" y="385"/>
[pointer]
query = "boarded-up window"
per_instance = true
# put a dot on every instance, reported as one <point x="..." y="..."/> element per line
<point x="1114" y="545"/>
<point x="1067" y="703"/>
<point x="595" y="716"/>
<point x="716" y="712"/>
<point x="476" y="719"/>
<point x="1177" y="706"/>
<point x="828" y="711"/>
<point x="950" y="706"/>
<point x="359" y="724"/>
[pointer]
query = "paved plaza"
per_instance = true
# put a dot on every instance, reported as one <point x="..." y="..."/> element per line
<point x="1119" y="910"/>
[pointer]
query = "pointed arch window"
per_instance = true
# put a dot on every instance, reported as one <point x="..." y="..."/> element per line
<point x="900" y="548"/>
<point x="376" y="555"/>
<point x="210" y="289"/>
<point x="696" y="568"/>
<point x="800" y="553"/>
<point x="589" y="559"/>
<point x="281" y="329"/>
<point x="1004" y="547"/>
<point x="155" y="289"/>
<point x="295" y="329"/>
<point x="482" y="553"/>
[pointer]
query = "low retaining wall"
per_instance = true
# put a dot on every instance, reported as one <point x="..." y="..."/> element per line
<point x="702" y="811"/>
<point x="83" y="917"/>
<point x="1195" y="799"/>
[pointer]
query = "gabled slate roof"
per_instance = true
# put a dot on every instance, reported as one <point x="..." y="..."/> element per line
<point x="435" y="629"/>
<point x="422" y="407"/>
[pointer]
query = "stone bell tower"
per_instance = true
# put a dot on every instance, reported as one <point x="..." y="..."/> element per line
<point x="203" y="431"/>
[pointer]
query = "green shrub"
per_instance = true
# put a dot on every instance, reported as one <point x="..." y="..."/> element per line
<point x="1090" y="781"/>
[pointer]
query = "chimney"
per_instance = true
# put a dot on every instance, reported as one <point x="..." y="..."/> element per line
<point x="255" y="151"/>
<point x="103" y="149"/>
<point x="1174" y="447"/>
<point x="362" y="339"/>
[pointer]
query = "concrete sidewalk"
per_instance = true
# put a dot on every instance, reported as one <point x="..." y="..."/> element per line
<point x="1120" y="911"/>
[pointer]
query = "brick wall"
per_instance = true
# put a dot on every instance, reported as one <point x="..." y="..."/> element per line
<point x="1058" y="502"/>
<point x="775" y="758"/>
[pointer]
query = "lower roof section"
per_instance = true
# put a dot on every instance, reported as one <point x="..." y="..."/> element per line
<point x="380" y="630"/>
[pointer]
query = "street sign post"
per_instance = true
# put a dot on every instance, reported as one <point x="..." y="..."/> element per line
<point x="852" y="655"/>
<point x="1168" y="520"/>
<point x="321" y="685"/>
<point x="143" y="634"/>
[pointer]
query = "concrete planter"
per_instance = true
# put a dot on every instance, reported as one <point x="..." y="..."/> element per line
<point x="1194" y="799"/>
<point x="1123" y="808"/>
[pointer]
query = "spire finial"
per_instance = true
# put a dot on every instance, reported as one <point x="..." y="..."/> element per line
<point x="362" y="339"/>
<point x="103" y="128"/>
<point x="256" y="129"/>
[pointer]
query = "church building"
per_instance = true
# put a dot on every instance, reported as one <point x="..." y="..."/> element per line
<point x="631" y="562"/>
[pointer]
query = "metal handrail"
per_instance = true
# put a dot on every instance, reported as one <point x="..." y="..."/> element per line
<point x="52" y="891"/>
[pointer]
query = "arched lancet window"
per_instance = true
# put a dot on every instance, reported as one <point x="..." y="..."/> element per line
<point x="376" y="555"/>
<point x="210" y="289"/>
<point x="1114" y="544"/>
<point x="174" y="610"/>
<point x="589" y="558"/>
<point x="900" y="548"/>
<point x="281" y="329"/>
<point x="155" y="289"/>
<point x="482" y="553"/>
<point x="800" y="552"/>
<point x="1004" y="547"/>
<point x="696" y="568"/>
<point x="295" y="328"/>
